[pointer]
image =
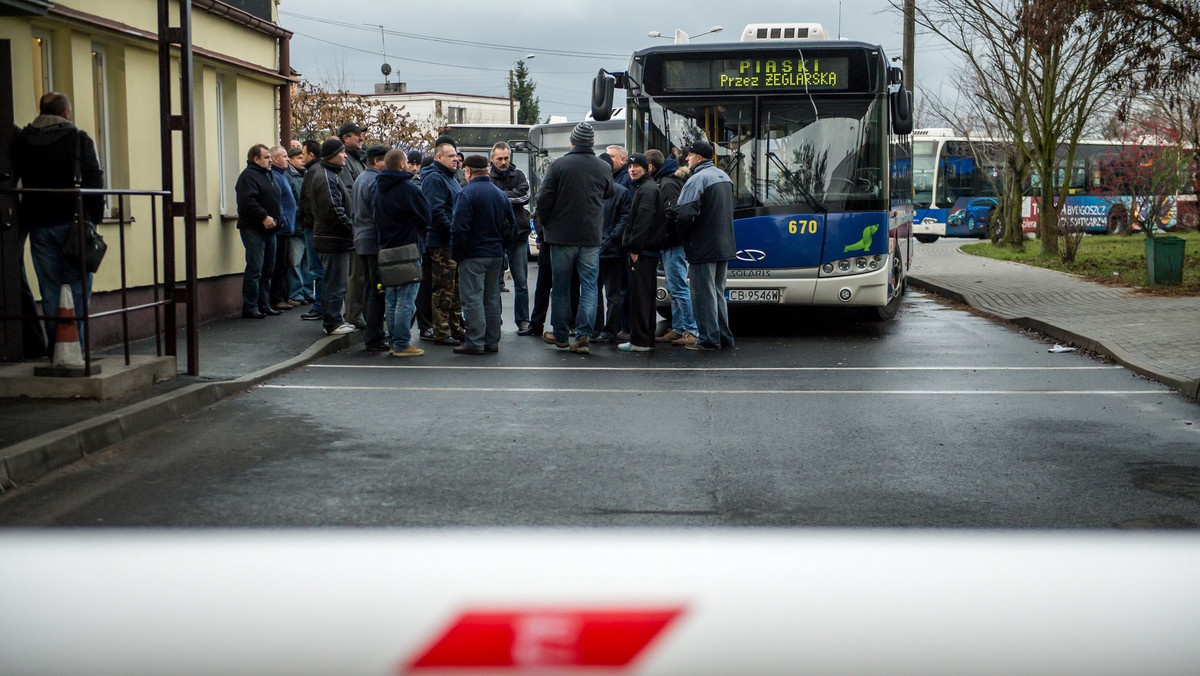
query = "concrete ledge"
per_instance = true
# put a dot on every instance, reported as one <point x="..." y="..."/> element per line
<point x="115" y="380"/>
<point x="34" y="458"/>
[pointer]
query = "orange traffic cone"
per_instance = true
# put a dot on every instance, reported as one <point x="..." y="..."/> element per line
<point x="67" y="360"/>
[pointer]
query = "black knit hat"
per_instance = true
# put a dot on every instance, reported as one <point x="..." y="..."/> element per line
<point x="331" y="147"/>
<point x="640" y="160"/>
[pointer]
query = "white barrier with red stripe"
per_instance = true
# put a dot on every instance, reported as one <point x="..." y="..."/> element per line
<point x="598" y="602"/>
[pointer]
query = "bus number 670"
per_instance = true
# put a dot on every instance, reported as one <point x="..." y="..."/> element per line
<point x="802" y="227"/>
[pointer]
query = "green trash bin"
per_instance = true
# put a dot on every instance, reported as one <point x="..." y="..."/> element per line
<point x="1164" y="259"/>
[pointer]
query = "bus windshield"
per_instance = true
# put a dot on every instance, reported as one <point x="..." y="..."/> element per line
<point x="809" y="154"/>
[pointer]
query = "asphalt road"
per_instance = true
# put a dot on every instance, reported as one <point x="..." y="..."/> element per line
<point x="939" y="418"/>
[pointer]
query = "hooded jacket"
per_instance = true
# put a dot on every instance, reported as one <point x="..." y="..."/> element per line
<point x="704" y="215"/>
<point x="43" y="156"/>
<point x="401" y="212"/>
<point x="483" y="221"/>
<point x="258" y="196"/>
<point x="670" y="179"/>
<point x="441" y="190"/>
<point x="515" y="186"/>
<point x="570" y="202"/>
<point x="333" y="230"/>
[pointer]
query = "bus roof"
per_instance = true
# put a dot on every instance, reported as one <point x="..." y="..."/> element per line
<point x="717" y="48"/>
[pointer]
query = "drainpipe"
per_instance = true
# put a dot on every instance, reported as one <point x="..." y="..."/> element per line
<point x="285" y="91"/>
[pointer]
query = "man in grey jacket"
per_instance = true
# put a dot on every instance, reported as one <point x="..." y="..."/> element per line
<point x="366" y="247"/>
<point x="571" y="212"/>
<point x="704" y="220"/>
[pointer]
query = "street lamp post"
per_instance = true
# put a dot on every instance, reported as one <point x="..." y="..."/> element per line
<point x="682" y="38"/>
<point x="512" y="86"/>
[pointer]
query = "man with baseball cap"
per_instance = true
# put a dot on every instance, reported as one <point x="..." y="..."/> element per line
<point x="352" y="136"/>
<point x="571" y="211"/>
<point x="482" y="225"/>
<point x="704" y="220"/>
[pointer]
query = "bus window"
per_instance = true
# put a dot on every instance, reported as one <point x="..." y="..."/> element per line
<point x="729" y="128"/>
<point x="923" y="172"/>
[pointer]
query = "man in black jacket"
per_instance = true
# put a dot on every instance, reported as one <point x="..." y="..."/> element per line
<point x="351" y="135"/>
<point x="670" y="178"/>
<point x="515" y="186"/>
<point x="611" y="284"/>
<point x="259" y="214"/>
<point x="44" y="155"/>
<point x="571" y="211"/>
<point x="401" y="217"/>
<point x="333" y="233"/>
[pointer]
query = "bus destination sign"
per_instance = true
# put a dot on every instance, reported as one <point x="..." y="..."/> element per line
<point x="757" y="75"/>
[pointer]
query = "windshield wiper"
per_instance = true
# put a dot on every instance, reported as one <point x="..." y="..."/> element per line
<point x="795" y="181"/>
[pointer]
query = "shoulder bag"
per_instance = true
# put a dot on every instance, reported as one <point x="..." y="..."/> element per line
<point x="400" y="265"/>
<point x="94" y="247"/>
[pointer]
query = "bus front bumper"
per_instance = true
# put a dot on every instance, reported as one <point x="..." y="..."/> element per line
<point x="801" y="287"/>
<point x="929" y="226"/>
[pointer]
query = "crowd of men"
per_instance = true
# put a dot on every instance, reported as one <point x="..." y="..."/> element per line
<point x="314" y="218"/>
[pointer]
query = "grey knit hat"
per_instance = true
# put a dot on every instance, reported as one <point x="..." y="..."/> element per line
<point x="583" y="135"/>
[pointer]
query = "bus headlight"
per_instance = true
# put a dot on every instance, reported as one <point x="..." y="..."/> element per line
<point x="854" y="266"/>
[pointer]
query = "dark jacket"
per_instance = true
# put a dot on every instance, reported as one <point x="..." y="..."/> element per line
<point x="354" y="167"/>
<point x="647" y="228"/>
<point x="304" y="213"/>
<point x="705" y="215"/>
<point x="295" y="179"/>
<point x="440" y="189"/>
<point x="570" y="202"/>
<point x="616" y="214"/>
<point x="43" y="156"/>
<point x="670" y="179"/>
<point x="333" y="231"/>
<point x="258" y="196"/>
<point x="287" y="203"/>
<point x="401" y="212"/>
<point x="483" y="221"/>
<point x="515" y="187"/>
<point x="621" y="177"/>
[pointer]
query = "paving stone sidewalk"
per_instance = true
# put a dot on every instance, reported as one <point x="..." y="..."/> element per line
<point x="1157" y="337"/>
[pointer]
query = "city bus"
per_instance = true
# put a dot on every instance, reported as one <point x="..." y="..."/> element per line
<point x="958" y="183"/>
<point x="814" y="134"/>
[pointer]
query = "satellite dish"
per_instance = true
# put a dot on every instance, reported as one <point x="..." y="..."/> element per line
<point x="386" y="69"/>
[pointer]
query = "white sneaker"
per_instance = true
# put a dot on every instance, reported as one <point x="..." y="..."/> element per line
<point x="342" y="330"/>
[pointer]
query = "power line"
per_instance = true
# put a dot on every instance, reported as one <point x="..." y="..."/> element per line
<point x="454" y="41"/>
<point x="402" y="58"/>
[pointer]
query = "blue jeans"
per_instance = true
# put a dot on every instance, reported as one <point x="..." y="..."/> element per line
<point x="316" y="272"/>
<point x="676" y="267"/>
<point x="52" y="271"/>
<point x="479" y="290"/>
<point x="564" y="260"/>
<point x="337" y="277"/>
<point x="400" y="304"/>
<point x="295" y="285"/>
<point x="518" y="264"/>
<point x="708" y="302"/>
<point x="260" y="263"/>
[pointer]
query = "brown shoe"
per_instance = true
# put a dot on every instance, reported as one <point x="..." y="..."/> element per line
<point x="551" y="339"/>
<point x="410" y="351"/>
<point x="686" y="340"/>
<point x="282" y="306"/>
<point x="581" y="346"/>
<point x="669" y="336"/>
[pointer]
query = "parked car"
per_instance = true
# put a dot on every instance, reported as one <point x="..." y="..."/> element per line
<point x="974" y="216"/>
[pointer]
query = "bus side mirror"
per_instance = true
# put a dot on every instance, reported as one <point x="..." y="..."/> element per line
<point x="902" y="112"/>
<point x="602" y="96"/>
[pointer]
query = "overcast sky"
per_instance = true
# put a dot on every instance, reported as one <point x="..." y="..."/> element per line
<point x="572" y="39"/>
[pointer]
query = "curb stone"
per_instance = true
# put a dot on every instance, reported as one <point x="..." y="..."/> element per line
<point x="1188" y="387"/>
<point x="34" y="458"/>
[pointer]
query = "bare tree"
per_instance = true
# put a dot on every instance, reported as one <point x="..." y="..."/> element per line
<point x="318" y="112"/>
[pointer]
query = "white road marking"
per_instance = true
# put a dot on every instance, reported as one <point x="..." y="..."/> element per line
<point x="731" y="369"/>
<point x="566" y="390"/>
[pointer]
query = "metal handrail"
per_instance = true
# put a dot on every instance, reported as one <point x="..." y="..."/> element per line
<point x="167" y="302"/>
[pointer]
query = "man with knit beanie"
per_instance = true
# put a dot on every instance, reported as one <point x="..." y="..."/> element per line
<point x="571" y="218"/>
<point x="333" y="233"/>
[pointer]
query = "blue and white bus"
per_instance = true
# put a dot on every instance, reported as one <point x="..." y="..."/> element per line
<point x="814" y="135"/>
<point x="958" y="184"/>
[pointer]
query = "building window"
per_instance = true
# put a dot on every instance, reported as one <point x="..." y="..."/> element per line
<point x="100" y="99"/>
<point x="41" y="66"/>
<point x="221" y="142"/>
<point x="456" y="115"/>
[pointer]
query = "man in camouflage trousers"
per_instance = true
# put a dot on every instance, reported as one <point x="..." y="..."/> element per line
<point x="441" y="189"/>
